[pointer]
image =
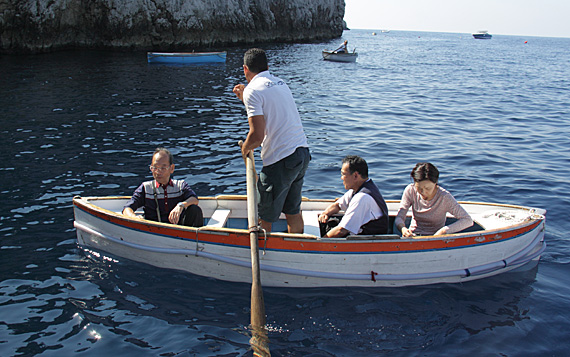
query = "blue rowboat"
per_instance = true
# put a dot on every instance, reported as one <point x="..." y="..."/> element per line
<point x="186" y="57"/>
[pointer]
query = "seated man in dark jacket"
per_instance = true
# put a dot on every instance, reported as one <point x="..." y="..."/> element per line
<point x="164" y="199"/>
<point x="366" y="211"/>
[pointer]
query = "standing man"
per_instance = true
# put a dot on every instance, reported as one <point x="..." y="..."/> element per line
<point x="366" y="211"/>
<point x="164" y="199"/>
<point x="275" y="125"/>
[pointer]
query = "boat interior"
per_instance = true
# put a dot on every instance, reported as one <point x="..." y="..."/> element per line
<point x="230" y="212"/>
<point x="312" y="225"/>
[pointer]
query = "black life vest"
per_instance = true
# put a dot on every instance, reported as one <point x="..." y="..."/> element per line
<point x="379" y="225"/>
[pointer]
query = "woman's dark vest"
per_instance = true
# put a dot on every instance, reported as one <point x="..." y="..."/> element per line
<point x="379" y="225"/>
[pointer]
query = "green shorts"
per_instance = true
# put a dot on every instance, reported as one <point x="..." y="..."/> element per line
<point x="280" y="185"/>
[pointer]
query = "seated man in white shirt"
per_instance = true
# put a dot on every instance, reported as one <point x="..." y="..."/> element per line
<point x="366" y="211"/>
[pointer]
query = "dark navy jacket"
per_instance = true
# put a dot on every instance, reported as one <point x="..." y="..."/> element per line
<point x="379" y="225"/>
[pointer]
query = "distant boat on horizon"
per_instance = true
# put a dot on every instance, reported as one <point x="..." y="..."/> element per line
<point x="482" y="35"/>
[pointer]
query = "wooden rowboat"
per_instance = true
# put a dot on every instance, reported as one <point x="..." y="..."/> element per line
<point x="503" y="238"/>
<point x="186" y="57"/>
<point x="339" y="57"/>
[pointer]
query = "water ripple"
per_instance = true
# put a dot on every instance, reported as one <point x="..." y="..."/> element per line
<point x="492" y="115"/>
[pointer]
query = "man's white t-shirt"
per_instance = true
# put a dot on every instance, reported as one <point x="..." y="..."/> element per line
<point x="269" y="96"/>
<point x="359" y="210"/>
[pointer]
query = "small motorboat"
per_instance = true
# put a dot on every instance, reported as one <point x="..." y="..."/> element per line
<point x="340" y="56"/>
<point x="186" y="57"/>
<point x="482" y="35"/>
<point x="504" y="237"/>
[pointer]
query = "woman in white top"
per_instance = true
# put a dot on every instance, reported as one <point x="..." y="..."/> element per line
<point x="430" y="203"/>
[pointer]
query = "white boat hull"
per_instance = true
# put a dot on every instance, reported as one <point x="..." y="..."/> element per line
<point x="305" y="261"/>
<point x="340" y="57"/>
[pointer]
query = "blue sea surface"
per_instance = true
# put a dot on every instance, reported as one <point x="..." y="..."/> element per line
<point x="492" y="115"/>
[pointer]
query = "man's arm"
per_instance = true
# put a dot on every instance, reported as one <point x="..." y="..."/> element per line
<point x="331" y="210"/>
<point x="128" y="211"/>
<point x="174" y="215"/>
<point x="328" y="213"/>
<point x="238" y="91"/>
<point x="337" y="232"/>
<point x="136" y="201"/>
<point x="255" y="136"/>
<point x="354" y="215"/>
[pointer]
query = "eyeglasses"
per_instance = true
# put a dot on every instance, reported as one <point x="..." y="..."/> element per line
<point x="158" y="169"/>
<point x="345" y="173"/>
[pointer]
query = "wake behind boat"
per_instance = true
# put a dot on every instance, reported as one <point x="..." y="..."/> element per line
<point x="504" y="237"/>
<point x="339" y="56"/>
<point x="186" y="57"/>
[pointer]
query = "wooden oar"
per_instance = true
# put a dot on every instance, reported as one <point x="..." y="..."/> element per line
<point x="259" y="341"/>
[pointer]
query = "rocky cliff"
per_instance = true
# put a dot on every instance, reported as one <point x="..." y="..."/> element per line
<point x="48" y="25"/>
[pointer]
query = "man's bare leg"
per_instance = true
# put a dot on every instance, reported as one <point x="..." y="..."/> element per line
<point x="295" y="223"/>
<point x="265" y="225"/>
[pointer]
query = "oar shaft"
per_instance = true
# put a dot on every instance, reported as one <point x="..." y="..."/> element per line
<point x="257" y="305"/>
<point x="259" y="340"/>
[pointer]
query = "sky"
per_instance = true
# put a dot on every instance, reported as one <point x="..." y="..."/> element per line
<point x="545" y="18"/>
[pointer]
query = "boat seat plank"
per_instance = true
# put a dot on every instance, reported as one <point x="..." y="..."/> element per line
<point x="219" y="218"/>
<point x="311" y="222"/>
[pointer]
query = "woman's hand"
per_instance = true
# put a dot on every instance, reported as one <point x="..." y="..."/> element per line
<point x="441" y="231"/>
<point x="407" y="233"/>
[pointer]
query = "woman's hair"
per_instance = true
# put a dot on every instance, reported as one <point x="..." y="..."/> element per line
<point x="425" y="171"/>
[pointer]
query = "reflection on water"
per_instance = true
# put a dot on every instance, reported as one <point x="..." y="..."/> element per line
<point x="492" y="116"/>
<point x="106" y="302"/>
<point x="373" y="321"/>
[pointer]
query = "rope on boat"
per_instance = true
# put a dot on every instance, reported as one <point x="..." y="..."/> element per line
<point x="259" y="229"/>
<point x="265" y="240"/>
<point x="198" y="229"/>
<point x="518" y="259"/>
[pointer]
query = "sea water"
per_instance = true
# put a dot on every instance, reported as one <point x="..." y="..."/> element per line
<point x="493" y="116"/>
